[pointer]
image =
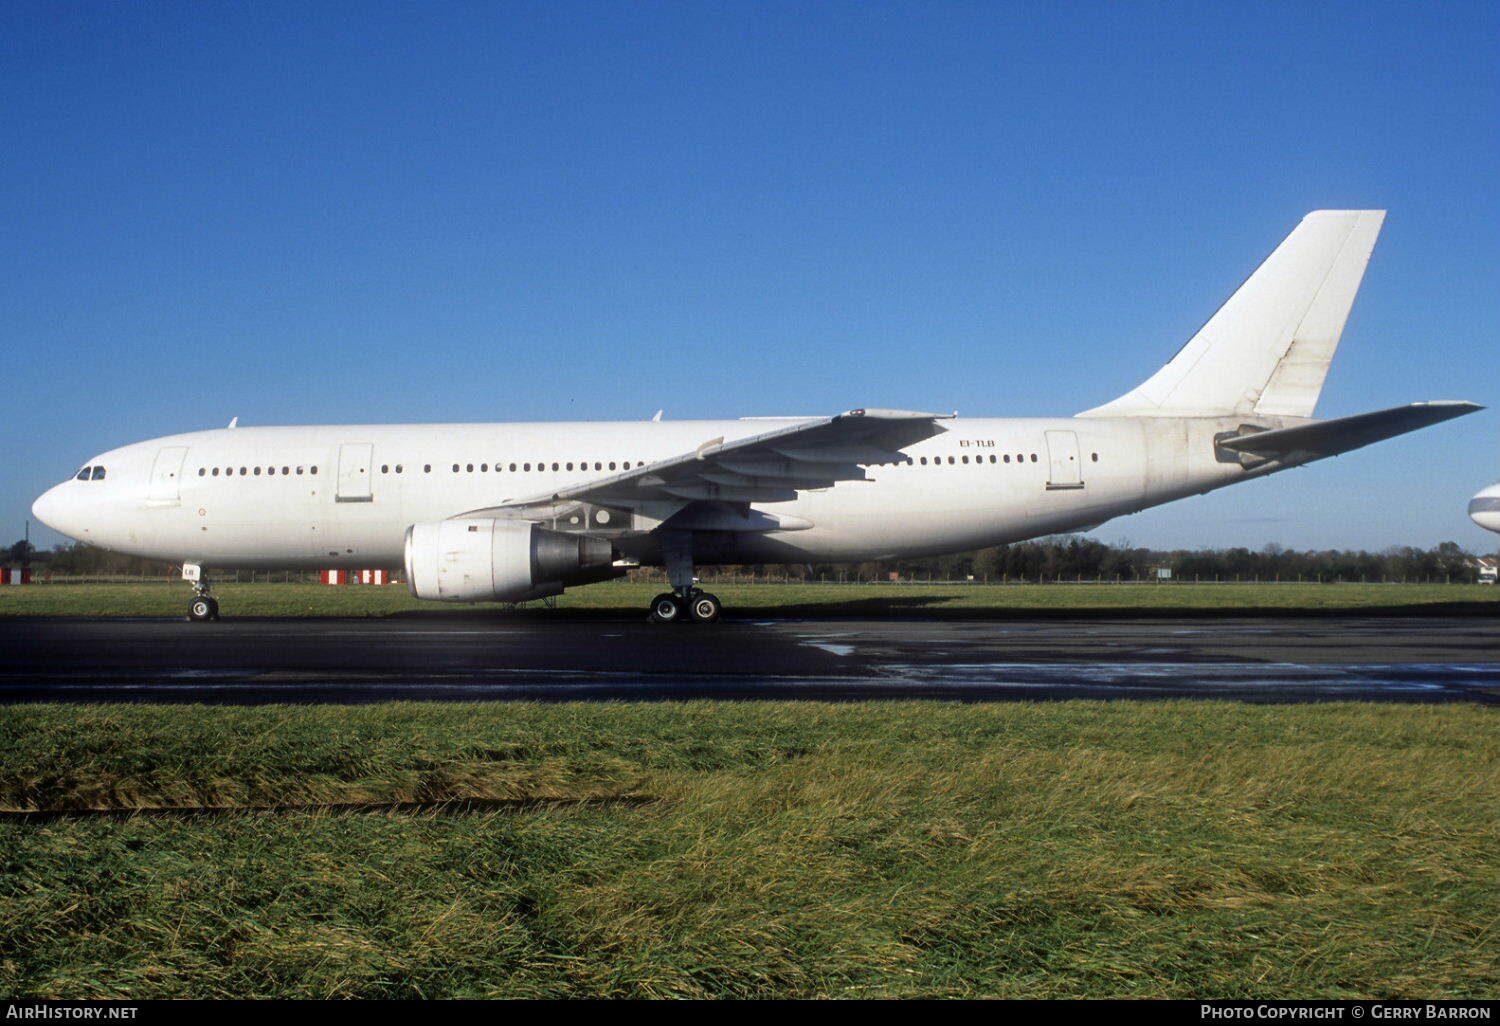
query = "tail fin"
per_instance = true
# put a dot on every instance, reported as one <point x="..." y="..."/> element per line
<point x="1268" y="348"/>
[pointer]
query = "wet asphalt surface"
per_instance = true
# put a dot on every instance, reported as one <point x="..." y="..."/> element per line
<point x="475" y="657"/>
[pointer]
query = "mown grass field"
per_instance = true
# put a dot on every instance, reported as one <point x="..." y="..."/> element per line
<point x="700" y="849"/>
<point x="781" y="600"/>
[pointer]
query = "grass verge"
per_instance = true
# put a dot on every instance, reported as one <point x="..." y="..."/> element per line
<point x="700" y="849"/>
<point x="784" y="600"/>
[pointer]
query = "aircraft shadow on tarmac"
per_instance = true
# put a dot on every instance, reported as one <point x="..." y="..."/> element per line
<point x="937" y="607"/>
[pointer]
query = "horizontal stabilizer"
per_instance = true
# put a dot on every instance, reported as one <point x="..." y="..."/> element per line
<point x="1344" y="434"/>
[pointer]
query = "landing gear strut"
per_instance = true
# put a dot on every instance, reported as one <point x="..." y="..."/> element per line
<point x="684" y="601"/>
<point x="204" y="606"/>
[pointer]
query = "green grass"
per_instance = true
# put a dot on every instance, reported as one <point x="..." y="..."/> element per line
<point x="753" y="600"/>
<point x="700" y="849"/>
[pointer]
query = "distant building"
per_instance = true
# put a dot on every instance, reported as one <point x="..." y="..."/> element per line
<point x="1488" y="568"/>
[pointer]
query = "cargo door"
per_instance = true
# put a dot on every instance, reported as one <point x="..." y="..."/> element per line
<point x="166" y="477"/>
<point x="1064" y="469"/>
<point x="354" y="472"/>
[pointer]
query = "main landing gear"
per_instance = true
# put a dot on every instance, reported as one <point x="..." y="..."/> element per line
<point x="204" y="606"/>
<point x="684" y="602"/>
<point x="697" y="606"/>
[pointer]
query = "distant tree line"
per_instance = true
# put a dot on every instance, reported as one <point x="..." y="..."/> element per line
<point x="1072" y="557"/>
<point x="82" y="559"/>
<point x="1064" y="557"/>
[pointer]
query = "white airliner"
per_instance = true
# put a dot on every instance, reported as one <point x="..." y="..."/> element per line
<point x="1484" y="508"/>
<point x="484" y="512"/>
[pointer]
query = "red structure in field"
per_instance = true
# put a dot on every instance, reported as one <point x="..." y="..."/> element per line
<point x="358" y="577"/>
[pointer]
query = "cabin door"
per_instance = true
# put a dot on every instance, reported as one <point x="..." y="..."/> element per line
<point x="354" y="472"/>
<point x="1064" y="468"/>
<point x="166" y="476"/>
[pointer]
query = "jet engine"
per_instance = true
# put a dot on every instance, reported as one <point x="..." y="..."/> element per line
<point x="500" y="560"/>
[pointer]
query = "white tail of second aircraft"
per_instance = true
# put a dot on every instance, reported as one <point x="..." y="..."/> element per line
<point x="1268" y="348"/>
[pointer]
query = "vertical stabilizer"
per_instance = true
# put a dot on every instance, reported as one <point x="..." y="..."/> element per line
<point x="1268" y="348"/>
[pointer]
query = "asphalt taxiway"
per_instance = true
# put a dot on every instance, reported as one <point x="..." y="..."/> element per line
<point x="443" y="657"/>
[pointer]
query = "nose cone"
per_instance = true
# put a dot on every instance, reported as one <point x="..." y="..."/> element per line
<point x="52" y="509"/>
<point x="1484" y="508"/>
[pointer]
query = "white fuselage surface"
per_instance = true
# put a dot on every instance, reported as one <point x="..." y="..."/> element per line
<point x="343" y="496"/>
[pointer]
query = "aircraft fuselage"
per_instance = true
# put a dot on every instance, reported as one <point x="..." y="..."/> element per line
<point x="343" y="496"/>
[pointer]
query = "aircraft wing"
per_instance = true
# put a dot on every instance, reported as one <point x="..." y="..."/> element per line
<point x="1343" y="434"/>
<point x="770" y="467"/>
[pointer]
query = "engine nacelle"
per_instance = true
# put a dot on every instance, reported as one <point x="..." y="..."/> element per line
<point x="500" y="560"/>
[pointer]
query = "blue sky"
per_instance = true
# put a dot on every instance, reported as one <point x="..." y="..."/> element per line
<point x="315" y="213"/>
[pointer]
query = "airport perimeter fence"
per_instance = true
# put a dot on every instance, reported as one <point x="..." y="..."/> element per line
<point x="922" y="580"/>
<point x="770" y="578"/>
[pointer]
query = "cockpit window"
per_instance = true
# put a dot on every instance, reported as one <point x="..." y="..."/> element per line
<point x="83" y="475"/>
<point x="98" y="474"/>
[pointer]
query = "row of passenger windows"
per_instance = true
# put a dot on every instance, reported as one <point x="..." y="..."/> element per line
<point x="254" y="471"/>
<point x="993" y="458"/>
<point x="97" y="473"/>
<point x="1020" y="458"/>
<point x="90" y="474"/>
<point x="484" y="468"/>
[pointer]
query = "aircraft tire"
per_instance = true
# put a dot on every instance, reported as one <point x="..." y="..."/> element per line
<point x="668" y="608"/>
<point x="704" y="608"/>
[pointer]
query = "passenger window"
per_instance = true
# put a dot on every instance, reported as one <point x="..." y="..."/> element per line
<point x="299" y="470"/>
<point x="202" y="471"/>
<point x="966" y="459"/>
<point x="923" y="461"/>
<point x="216" y="472"/>
<point x="398" y="468"/>
<point x="512" y="468"/>
<point x="427" y="468"/>
<point x="312" y="470"/>
<point x="271" y="471"/>
<point x="554" y="466"/>
<point x="950" y="460"/>
<point x="385" y="468"/>
<point x="611" y="464"/>
<point x="257" y="472"/>
<point x="570" y="466"/>
<point x="484" y="467"/>
<point x="1033" y="457"/>
<point x="1094" y="457"/>
<point x="285" y="471"/>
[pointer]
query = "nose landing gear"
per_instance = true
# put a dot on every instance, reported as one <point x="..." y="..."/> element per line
<point x="204" y="606"/>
